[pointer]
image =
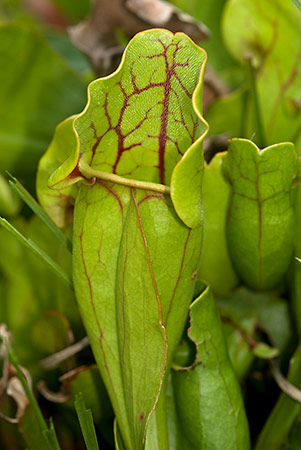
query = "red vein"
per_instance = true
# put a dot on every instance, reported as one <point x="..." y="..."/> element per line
<point x="179" y="276"/>
<point x="151" y="196"/>
<point x="148" y="257"/>
<point x="259" y="203"/>
<point x="101" y="335"/>
<point x="162" y="137"/>
<point x="123" y="306"/>
<point x="159" y="305"/>
<point x="111" y="192"/>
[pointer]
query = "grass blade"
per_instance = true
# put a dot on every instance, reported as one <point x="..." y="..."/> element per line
<point x="298" y="4"/>
<point x="36" y="208"/>
<point x="86" y="422"/>
<point x="48" y="433"/>
<point x="50" y="436"/>
<point x="37" y="251"/>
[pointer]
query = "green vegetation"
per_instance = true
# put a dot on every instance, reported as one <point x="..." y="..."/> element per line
<point x="162" y="221"/>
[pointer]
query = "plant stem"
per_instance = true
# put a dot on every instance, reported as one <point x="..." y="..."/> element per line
<point x="257" y="111"/>
<point x="285" y="412"/>
<point x="91" y="173"/>
<point x="243" y="122"/>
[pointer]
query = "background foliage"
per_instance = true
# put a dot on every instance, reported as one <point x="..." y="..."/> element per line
<point x="253" y="91"/>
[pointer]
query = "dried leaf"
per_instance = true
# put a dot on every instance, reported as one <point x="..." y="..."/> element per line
<point x="97" y="35"/>
<point x="16" y="391"/>
<point x="54" y="397"/>
<point x="57" y="358"/>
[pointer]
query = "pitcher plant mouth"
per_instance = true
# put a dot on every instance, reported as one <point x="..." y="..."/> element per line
<point x="142" y="125"/>
<point x="261" y="181"/>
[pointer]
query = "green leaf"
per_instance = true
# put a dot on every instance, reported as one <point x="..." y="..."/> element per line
<point x="265" y="41"/>
<point x="296" y="266"/>
<point x="264" y="351"/>
<point x="260" y="227"/>
<point x="174" y="253"/>
<point x="208" y="398"/>
<point x="187" y="177"/>
<point x="295" y="434"/>
<point x="149" y="355"/>
<point x="216" y="267"/>
<point x="269" y="312"/>
<point x="86" y="422"/>
<point x="140" y="270"/>
<point x="240" y="354"/>
<point x="37" y="83"/>
<point x="62" y="150"/>
<point x="117" y="340"/>
<point x="186" y="187"/>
